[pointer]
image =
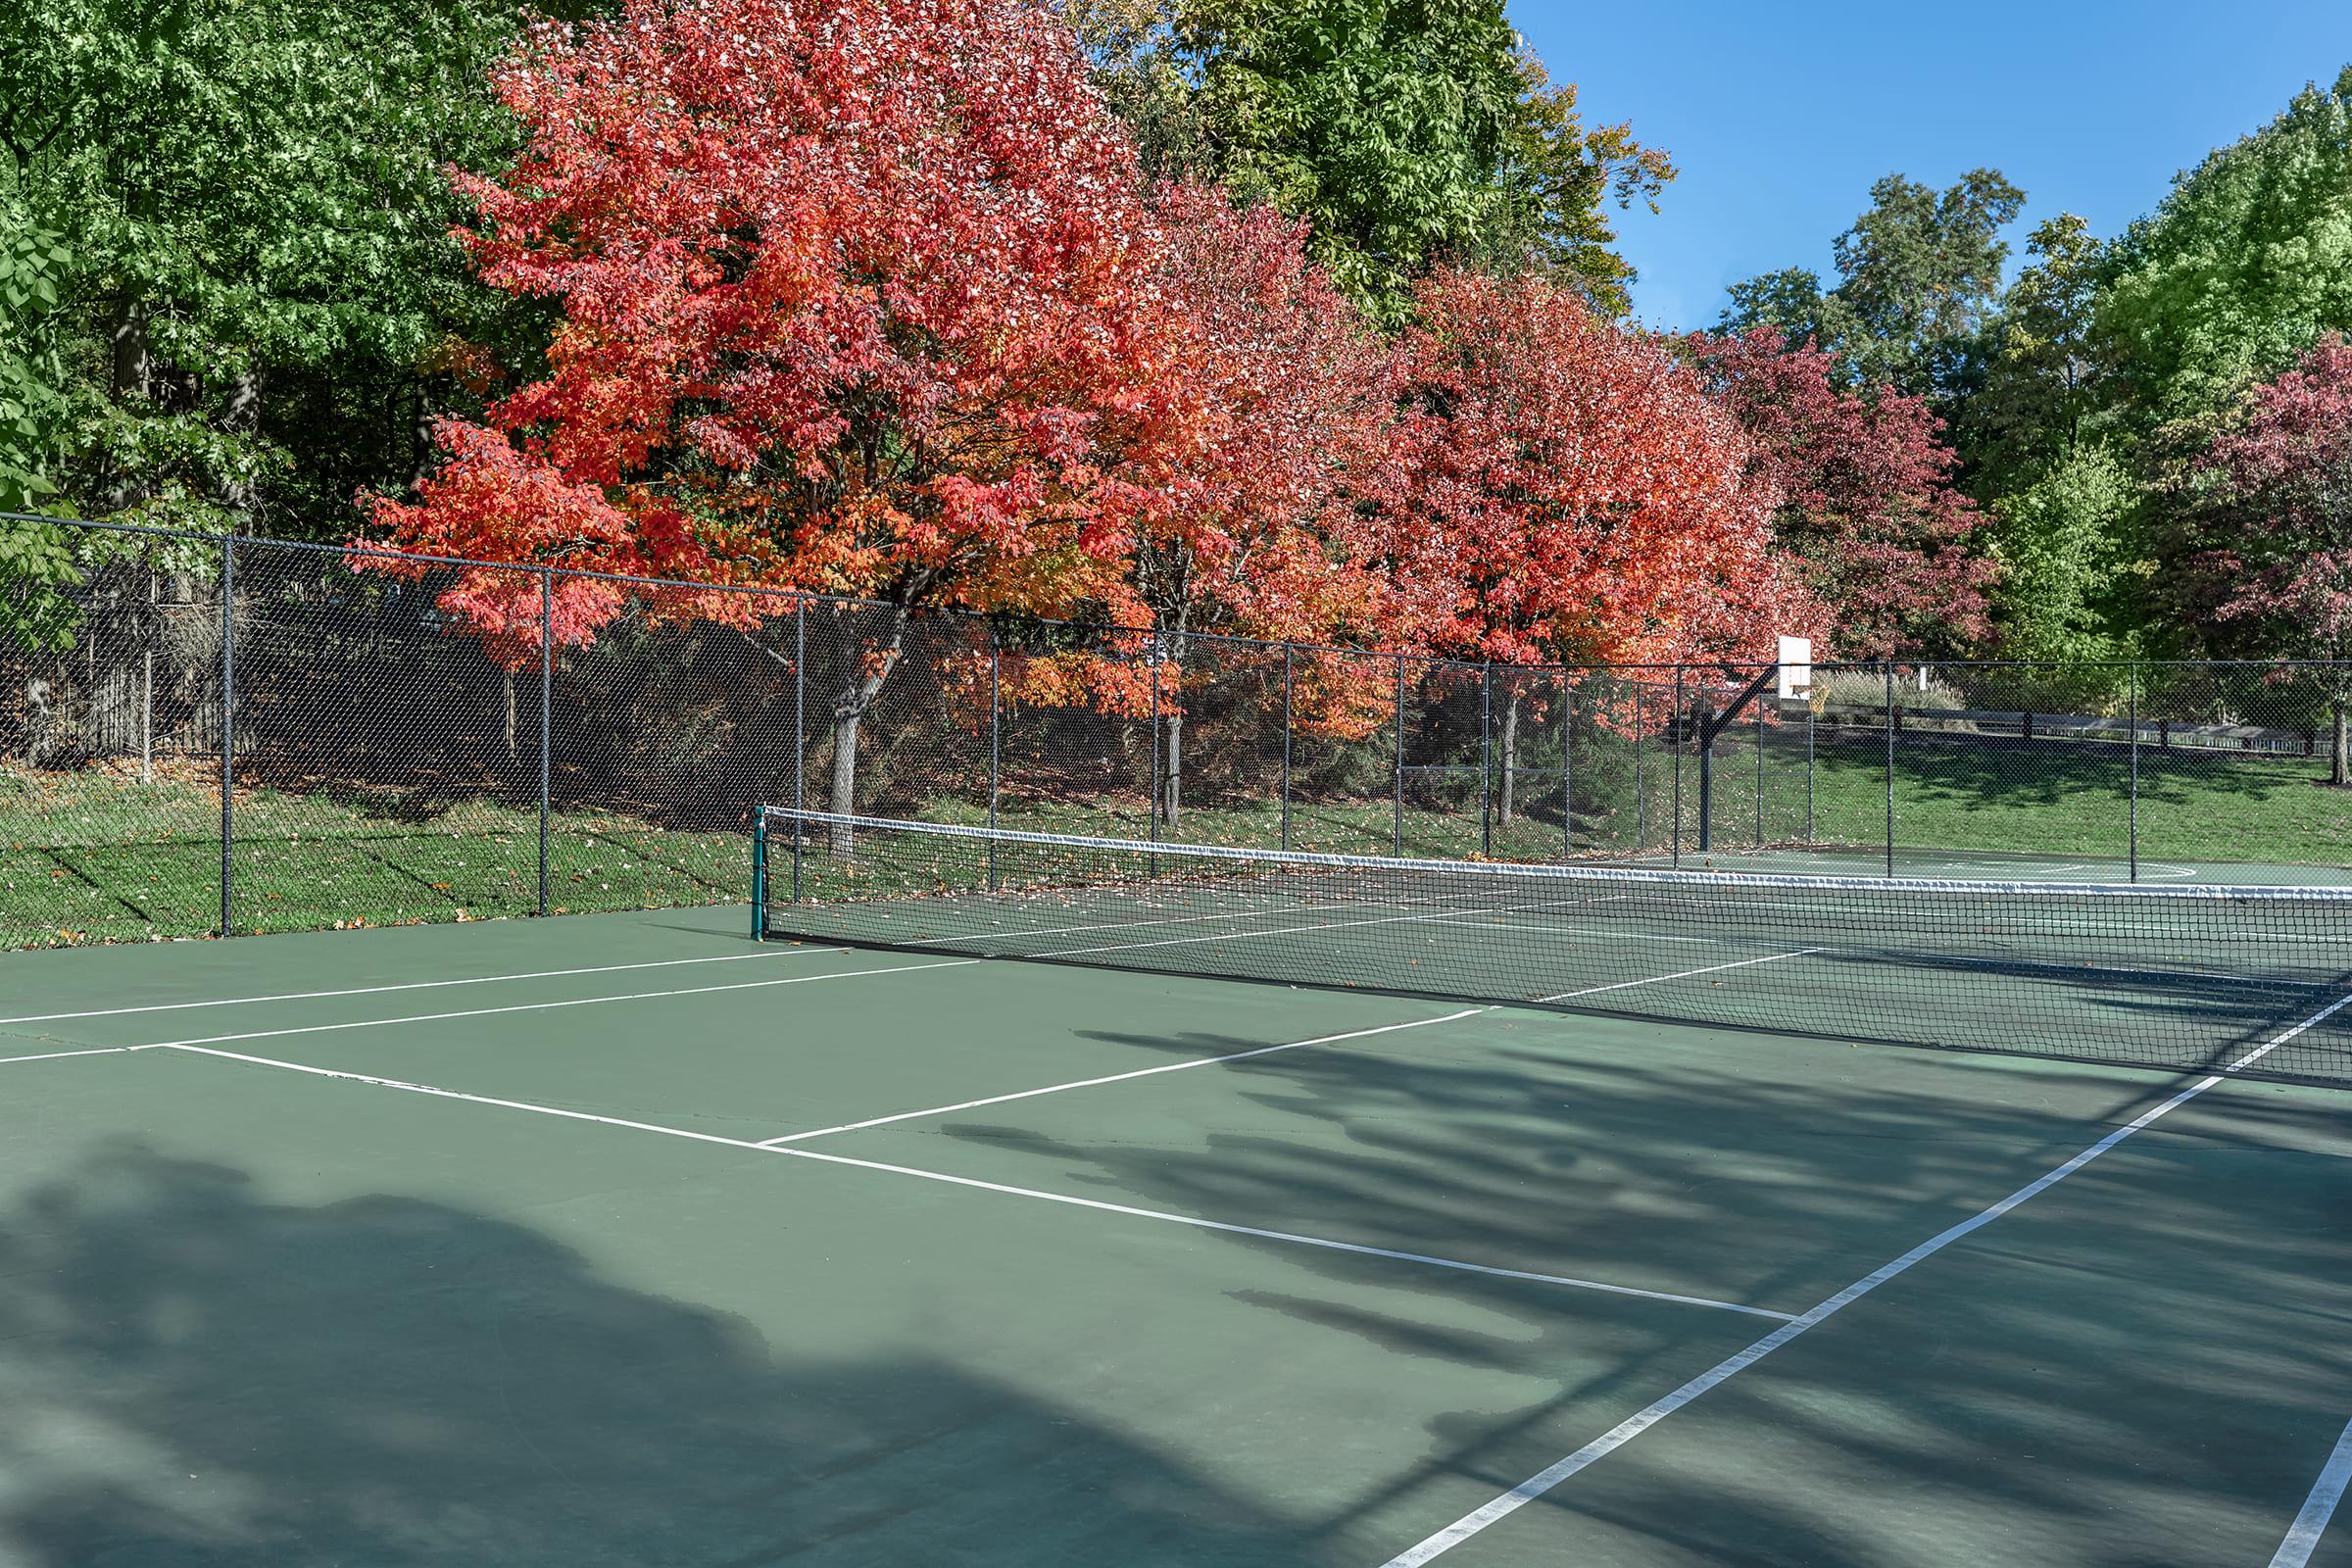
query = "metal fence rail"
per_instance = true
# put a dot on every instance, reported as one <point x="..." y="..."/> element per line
<point x="238" y="735"/>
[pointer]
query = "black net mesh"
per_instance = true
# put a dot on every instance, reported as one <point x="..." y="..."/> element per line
<point x="2235" y="979"/>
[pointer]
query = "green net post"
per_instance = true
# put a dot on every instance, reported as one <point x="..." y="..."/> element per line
<point x="758" y="873"/>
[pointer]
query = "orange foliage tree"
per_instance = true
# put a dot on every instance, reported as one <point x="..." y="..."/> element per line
<point x="1564" y="490"/>
<point x="1290" y="416"/>
<point x="861" y="298"/>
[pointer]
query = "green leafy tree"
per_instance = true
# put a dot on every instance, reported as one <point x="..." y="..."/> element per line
<point x="36" y="566"/>
<point x="1790" y="303"/>
<point x="2047" y="382"/>
<point x="32" y="375"/>
<point x="1142" y="76"/>
<point x="2071" y="582"/>
<point x="2247" y="262"/>
<point x="1919" y="273"/>
<point x="262" y="286"/>
<point x="1409" y="132"/>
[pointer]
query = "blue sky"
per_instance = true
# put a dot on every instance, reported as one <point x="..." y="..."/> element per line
<point x="1781" y="115"/>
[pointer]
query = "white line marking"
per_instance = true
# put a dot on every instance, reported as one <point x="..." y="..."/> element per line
<point x="992" y="1187"/>
<point x="414" y="985"/>
<point x="52" y="1055"/>
<point x="1119" y="1077"/>
<point x="1242" y="1056"/>
<point x="2304" y="1535"/>
<point x="1447" y="911"/>
<point x="1285" y="1236"/>
<point x="1593" y="991"/>
<point x="1450" y="913"/>
<point x="545" y="1007"/>
<point x="1640" y="1421"/>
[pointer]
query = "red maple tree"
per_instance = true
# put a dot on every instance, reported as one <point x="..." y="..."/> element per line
<point x="1562" y="490"/>
<point x="1868" y="513"/>
<point x="860" y="298"/>
<point x="1290" y="408"/>
<point x="2282" y="496"/>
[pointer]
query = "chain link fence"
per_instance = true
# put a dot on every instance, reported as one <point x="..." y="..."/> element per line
<point x="203" y="736"/>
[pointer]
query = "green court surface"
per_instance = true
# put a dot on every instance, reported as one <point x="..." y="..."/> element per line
<point x="624" y="1240"/>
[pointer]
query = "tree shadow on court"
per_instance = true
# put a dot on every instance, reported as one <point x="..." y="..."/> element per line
<point x="2019" y="1396"/>
<point x="194" y="1375"/>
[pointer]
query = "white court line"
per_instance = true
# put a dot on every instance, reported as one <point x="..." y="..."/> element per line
<point x="1286" y="1236"/>
<point x="1649" y="1415"/>
<point x="540" y="1006"/>
<point x="1275" y="906"/>
<point x="2312" y="1522"/>
<point x="1242" y="1056"/>
<point x="1621" y="985"/>
<point x="414" y="985"/>
<point x="1119" y="1077"/>
<point x="1245" y="936"/>
<point x="1327" y="1245"/>
<point x="52" y="1055"/>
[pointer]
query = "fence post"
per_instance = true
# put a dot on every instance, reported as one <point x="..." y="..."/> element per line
<point x="800" y="734"/>
<point x="1286" y="746"/>
<point x="1675" y="745"/>
<point x="1706" y="778"/>
<point x="1759" y="772"/>
<point x="1641" y="771"/>
<point x="1809" y="768"/>
<point x="1886" y="668"/>
<point x="996" y="730"/>
<point x="547" y="701"/>
<point x="1486" y="758"/>
<point x="228" y="729"/>
<point x="1567" y="766"/>
<point x="2134" y="807"/>
<point x="1398" y="846"/>
<point x="1151" y="672"/>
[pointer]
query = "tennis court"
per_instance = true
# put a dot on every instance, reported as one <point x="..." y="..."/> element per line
<point x="629" y="1239"/>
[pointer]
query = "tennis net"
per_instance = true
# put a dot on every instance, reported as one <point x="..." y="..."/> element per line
<point x="2168" y="977"/>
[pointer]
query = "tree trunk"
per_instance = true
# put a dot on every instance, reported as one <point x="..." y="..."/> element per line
<point x="510" y="684"/>
<point x="2340" y="766"/>
<point x="849" y="709"/>
<point x="243" y="414"/>
<point x="1507" y="798"/>
<point x="1174" y="794"/>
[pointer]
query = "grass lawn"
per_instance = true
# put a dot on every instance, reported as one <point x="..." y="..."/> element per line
<point x="91" y="858"/>
<point x="96" y="857"/>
